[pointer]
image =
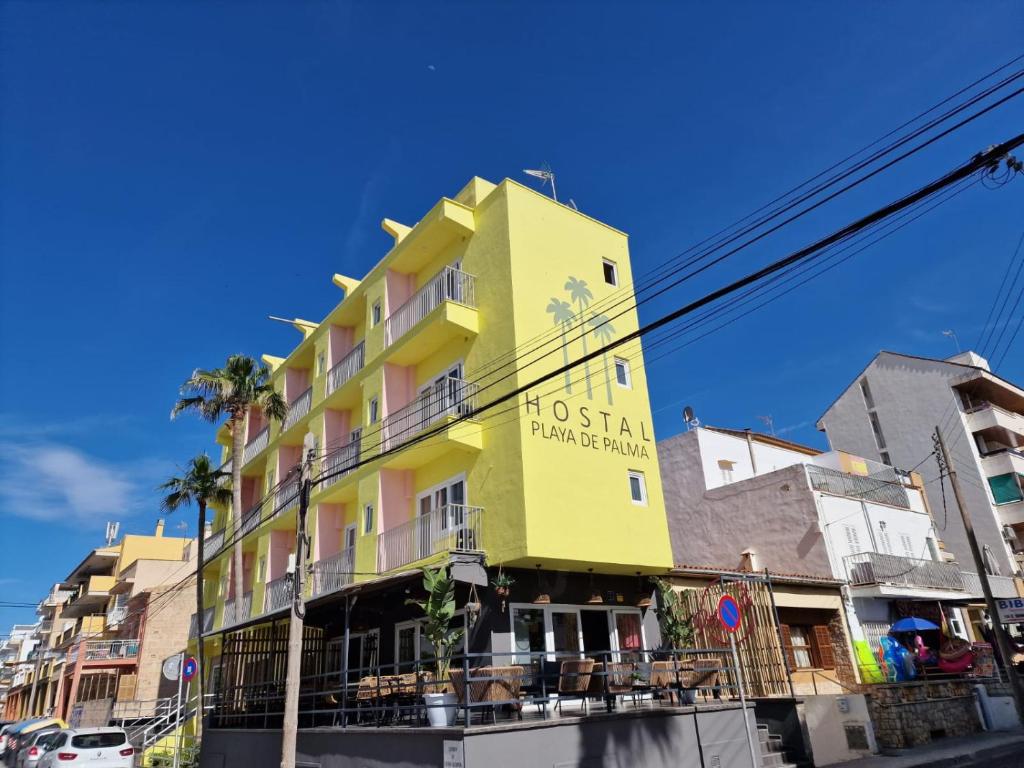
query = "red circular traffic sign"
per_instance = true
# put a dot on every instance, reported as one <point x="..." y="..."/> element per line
<point x="729" y="613"/>
<point x="189" y="668"/>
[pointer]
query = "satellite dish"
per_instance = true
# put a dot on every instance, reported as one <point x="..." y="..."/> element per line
<point x="687" y="414"/>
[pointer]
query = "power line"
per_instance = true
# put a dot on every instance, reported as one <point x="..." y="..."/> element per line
<point x="997" y="320"/>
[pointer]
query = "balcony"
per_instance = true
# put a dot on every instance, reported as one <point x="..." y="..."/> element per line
<point x="334" y="572"/>
<point x="339" y="463"/>
<point x="1011" y="513"/>
<point x="1002" y="586"/>
<point x="446" y="529"/>
<point x="287" y="496"/>
<point x="278" y="594"/>
<point x="92" y="598"/>
<point x="298" y="409"/>
<point x="230" y="617"/>
<point x="873" y="489"/>
<point x="346" y="368"/>
<point x="213" y="545"/>
<point x="448" y="398"/>
<point x="1003" y="462"/>
<point x="104" y="650"/>
<point x="257" y="444"/>
<point x="988" y="416"/>
<point x="207" y="623"/>
<point x="875" y="569"/>
<point x="449" y="299"/>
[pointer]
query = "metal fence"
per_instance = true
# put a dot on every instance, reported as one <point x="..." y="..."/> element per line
<point x="449" y="284"/>
<point x="338" y="462"/>
<point x="230" y="616"/>
<point x="447" y="528"/>
<point x="298" y="408"/>
<point x="278" y="594"/>
<point x="887" y="490"/>
<point x="334" y="572"/>
<point x="448" y="396"/>
<point x="484" y="685"/>
<point x="98" y="650"/>
<point x="878" y="568"/>
<point x="346" y="368"/>
<point x="257" y="444"/>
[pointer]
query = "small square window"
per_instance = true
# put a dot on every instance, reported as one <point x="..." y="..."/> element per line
<point x="368" y="519"/>
<point x="321" y="362"/>
<point x="611" y="272"/>
<point x="375" y="315"/>
<point x="622" y="377"/>
<point x="638" y="488"/>
<point x="373" y="410"/>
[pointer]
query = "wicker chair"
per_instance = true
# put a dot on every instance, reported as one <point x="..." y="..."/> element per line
<point x="574" y="680"/>
<point x="490" y="685"/>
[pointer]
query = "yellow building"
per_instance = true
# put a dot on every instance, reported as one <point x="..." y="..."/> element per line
<point x="558" y="487"/>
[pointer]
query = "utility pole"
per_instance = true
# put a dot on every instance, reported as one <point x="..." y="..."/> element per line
<point x="38" y="650"/>
<point x="946" y="461"/>
<point x="293" y="668"/>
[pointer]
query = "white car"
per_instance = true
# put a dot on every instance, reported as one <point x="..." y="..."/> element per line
<point x="94" y="747"/>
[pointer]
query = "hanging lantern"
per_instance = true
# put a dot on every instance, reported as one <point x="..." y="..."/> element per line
<point x="542" y="597"/>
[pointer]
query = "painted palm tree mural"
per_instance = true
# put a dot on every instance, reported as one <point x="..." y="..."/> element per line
<point x="562" y="316"/>
<point x="581" y="296"/>
<point x="602" y="329"/>
<point x="599" y="325"/>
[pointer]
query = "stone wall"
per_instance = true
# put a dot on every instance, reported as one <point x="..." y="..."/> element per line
<point x="168" y="611"/>
<point x="845" y="669"/>
<point x="911" y="714"/>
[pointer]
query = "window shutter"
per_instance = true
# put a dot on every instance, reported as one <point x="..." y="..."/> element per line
<point x="823" y="647"/>
<point x="787" y="646"/>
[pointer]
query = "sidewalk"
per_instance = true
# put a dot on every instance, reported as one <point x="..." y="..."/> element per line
<point x="982" y="749"/>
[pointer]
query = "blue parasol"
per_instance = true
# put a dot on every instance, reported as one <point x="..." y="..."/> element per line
<point x="912" y="624"/>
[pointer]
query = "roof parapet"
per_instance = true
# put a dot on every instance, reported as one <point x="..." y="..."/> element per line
<point x="396" y="230"/>
<point x="272" y="361"/>
<point x="347" y="284"/>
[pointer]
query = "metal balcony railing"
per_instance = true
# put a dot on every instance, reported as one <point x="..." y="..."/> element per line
<point x="338" y="463"/>
<point x="334" y="572"/>
<point x="346" y="368"/>
<point x="233" y="617"/>
<point x="445" y="529"/>
<point x="449" y="284"/>
<point x="101" y="650"/>
<point x="257" y="444"/>
<point x="447" y="397"/>
<point x="213" y="545"/>
<point x="207" y="623"/>
<point x="879" y="490"/>
<point x="876" y="568"/>
<point x="287" y="496"/>
<point x="278" y="594"/>
<point x="298" y="408"/>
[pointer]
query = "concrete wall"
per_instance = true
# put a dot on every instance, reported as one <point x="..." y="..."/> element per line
<point x="648" y="738"/>
<point x="911" y="397"/>
<point x="164" y="632"/>
<point x="773" y="514"/>
<point x="828" y="718"/>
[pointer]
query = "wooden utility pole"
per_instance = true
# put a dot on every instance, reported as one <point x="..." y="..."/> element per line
<point x="293" y="668"/>
<point x="979" y="563"/>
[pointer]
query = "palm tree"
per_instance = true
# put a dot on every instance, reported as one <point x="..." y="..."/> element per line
<point x="233" y="390"/>
<point x="581" y="295"/>
<point x="602" y="328"/>
<point x="562" y="315"/>
<point x="201" y="485"/>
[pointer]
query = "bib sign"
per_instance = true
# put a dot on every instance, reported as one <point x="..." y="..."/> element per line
<point x="1011" y="611"/>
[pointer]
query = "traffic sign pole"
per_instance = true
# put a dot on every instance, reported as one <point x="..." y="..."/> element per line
<point x="181" y="678"/>
<point x="731" y="617"/>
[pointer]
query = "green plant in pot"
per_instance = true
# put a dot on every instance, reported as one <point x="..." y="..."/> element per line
<point x="676" y="628"/>
<point x="439" y="610"/>
<point x="502" y="584"/>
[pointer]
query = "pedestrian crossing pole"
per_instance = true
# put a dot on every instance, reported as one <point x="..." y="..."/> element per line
<point x="289" y="729"/>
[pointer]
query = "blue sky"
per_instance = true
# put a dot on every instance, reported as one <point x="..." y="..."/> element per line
<point x="161" y="161"/>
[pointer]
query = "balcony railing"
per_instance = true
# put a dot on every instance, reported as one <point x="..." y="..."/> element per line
<point x="449" y="284"/>
<point x="346" y="368"/>
<point x="212" y="545"/>
<point x="278" y="594"/>
<point x="871" y="568"/>
<point x="102" y="650"/>
<point x="445" y="529"/>
<point x="257" y="444"/>
<point x="298" y="408"/>
<point x="334" y="572"/>
<point x="878" y="490"/>
<point x="230" y="616"/>
<point x="287" y="496"/>
<point x="448" y="397"/>
<point x="207" y="623"/>
<point x="340" y="462"/>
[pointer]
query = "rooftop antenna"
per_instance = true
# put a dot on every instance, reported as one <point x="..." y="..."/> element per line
<point x="769" y="423"/>
<point x="291" y="322"/>
<point x="545" y="174"/>
<point x="111" y="534"/>
<point x="689" y="419"/>
<point x="952" y="334"/>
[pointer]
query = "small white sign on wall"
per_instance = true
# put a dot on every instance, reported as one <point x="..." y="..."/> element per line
<point x="454" y="755"/>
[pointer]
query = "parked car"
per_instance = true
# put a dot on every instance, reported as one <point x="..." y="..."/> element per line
<point x="33" y="746"/>
<point x="3" y="736"/>
<point x="20" y="733"/>
<point x="96" y="747"/>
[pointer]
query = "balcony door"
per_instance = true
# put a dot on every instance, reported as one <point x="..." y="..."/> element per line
<point x="441" y="518"/>
<point x="440" y="397"/>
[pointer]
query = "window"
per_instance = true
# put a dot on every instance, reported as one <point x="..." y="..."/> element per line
<point x="98" y="740"/>
<point x="726" y="466"/>
<point x="368" y="519"/>
<point x="876" y="428"/>
<point x="528" y="633"/>
<point x="611" y="273"/>
<point x="638" y="488"/>
<point x="373" y="410"/>
<point x="884" y="456"/>
<point x="865" y="390"/>
<point x="375" y="313"/>
<point x="565" y="629"/>
<point x="800" y="638"/>
<point x="622" y="377"/>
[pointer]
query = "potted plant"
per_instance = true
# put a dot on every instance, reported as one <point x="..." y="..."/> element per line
<point x="502" y="584"/>
<point x="676" y="629"/>
<point x="439" y="610"/>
